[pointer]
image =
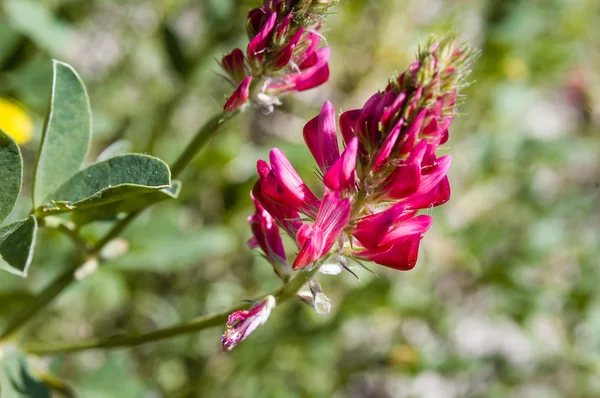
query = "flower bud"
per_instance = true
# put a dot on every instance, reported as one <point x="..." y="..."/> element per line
<point x="282" y="55"/>
<point x="241" y="324"/>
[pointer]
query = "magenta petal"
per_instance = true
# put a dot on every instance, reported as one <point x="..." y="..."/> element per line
<point x="388" y="146"/>
<point x="348" y="121"/>
<point x="406" y="178"/>
<point x="233" y="64"/>
<point x="412" y="133"/>
<point x="333" y="216"/>
<point x="431" y="176"/>
<point x="241" y="324"/>
<point x="257" y="45"/>
<point x="311" y="249"/>
<point x="253" y="243"/>
<point x="294" y="189"/>
<point x="315" y="75"/>
<point x="370" y="230"/>
<point x="316" y="241"/>
<point x="439" y="195"/>
<point x="400" y="254"/>
<point x="341" y="175"/>
<point x="285" y="217"/>
<point x="392" y="112"/>
<point x="328" y="134"/>
<point x="416" y="225"/>
<point x="313" y="140"/>
<point x="303" y="234"/>
<point x="285" y="55"/>
<point x="321" y="138"/>
<point x="239" y="96"/>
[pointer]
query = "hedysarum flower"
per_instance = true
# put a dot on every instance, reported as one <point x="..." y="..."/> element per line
<point x="266" y="236"/>
<point x="242" y="323"/>
<point x="387" y="173"/>
<point x="283" y="54"/>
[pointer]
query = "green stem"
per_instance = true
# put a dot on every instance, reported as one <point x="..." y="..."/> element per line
<point x="200" y="139"/>
<point x="64" y="280"/>
<point x="69" y="229"/>
<point x="283" y="294"/>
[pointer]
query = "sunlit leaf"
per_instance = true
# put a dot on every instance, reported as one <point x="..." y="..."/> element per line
<point x="115" y="179"/>
<point x="109" y="211"/>
<point x="67" y="133"/>
<point x="11" y="174"/>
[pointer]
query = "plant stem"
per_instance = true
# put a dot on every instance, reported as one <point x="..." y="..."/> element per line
<point x="199" y="141"/>
<point x="46" y="296"/>
<point x="283" y="294"/>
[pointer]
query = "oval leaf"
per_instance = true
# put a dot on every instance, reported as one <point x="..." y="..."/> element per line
<point x="67" y="132"/>
<point x="111" y="210"/>
<point x="17" y="241"/>
<point x="112" y="180"/>
<point x="11" y="174"/>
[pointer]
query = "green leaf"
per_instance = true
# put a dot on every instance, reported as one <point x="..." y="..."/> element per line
<point x="111" y="210"/>
<point x="11" y="174"/>
<point x="16" y="380"/>
<point x="112" y="180"/>
<point x="67" y="133"/>
<point x="117" y="148"/>
<point x="17" y="241"/>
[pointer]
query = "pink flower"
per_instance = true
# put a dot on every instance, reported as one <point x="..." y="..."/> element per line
<point x="341" y="176"/>
<point x="398" y="248"/>
<point x="321" y="138"/>
<point x="316" y="240"/>
<point x="241" y="324"/>
<point x="240" y="96"/>
<point x="282" y="55"/>
<point x="234" y="65"/>
<point x="281" y="183"/>
<point x="266" y="236"/>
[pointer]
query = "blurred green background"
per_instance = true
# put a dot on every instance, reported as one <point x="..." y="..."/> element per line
<point x="504" y="300"/>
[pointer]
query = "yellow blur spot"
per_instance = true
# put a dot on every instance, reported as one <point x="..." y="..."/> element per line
<point x="15" y="121"/>
<point x="404" y="354"/>
<point x="515" y="68"/>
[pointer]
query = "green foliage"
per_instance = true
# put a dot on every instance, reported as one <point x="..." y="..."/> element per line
<point x="118" y="178"/>
<point x="17" y="241"/>
<point x="67" y="133"/>
<point x="110" y="210"/>
<point x="16" y="379"/>
<point x="11" y="174"/>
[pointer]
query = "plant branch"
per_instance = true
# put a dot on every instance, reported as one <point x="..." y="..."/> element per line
<point x="283" y="294"/>
<point x="46" y="296"/>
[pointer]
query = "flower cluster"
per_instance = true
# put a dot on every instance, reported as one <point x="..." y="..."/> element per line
<point x="283" y="54"/>
<point x="374" y="189"/>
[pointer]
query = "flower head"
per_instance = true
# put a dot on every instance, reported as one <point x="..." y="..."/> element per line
<point x="283" y="54"/>
<point x="242" y="323"/>
<point x="387" y="172"/>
